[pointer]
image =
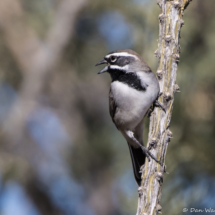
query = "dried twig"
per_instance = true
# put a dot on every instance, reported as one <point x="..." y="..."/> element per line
<point x="168" y="51"/>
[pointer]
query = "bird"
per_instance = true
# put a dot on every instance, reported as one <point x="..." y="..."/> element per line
<point x="134" y="89"/>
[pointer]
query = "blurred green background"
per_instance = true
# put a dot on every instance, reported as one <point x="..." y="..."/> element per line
<point x="60" y="153"/>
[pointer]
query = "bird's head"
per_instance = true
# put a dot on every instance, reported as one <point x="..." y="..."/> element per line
<point x="123" y="61"/>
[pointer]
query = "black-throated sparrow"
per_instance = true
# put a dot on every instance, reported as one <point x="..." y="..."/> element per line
<point x="133" y="90"/>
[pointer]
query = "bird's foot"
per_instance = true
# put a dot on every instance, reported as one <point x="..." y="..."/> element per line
<point x="158" y="104"/>
<point x="149" y="155"/>
<point x="146" y="151"/>
<point x="153" y="157"/>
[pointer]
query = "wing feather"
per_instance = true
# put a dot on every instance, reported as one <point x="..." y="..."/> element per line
<point x="112" y="106"/>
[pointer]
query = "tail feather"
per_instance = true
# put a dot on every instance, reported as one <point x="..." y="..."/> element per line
<point x="138" y="159"/>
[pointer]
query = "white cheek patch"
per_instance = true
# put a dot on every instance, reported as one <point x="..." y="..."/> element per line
<point x="119" y="67"/>
<point x="119" y="54"/>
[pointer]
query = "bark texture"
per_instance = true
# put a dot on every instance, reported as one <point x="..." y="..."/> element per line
<point x="170" y="23"/>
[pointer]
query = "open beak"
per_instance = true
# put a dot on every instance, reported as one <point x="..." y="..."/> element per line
<point x="102" y="62"/>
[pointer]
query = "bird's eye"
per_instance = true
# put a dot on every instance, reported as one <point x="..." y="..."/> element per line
<point x="113" y="58"/>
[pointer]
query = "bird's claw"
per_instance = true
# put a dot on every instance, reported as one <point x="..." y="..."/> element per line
<point x="158" y="104"/>
<point x="149" y="154"/>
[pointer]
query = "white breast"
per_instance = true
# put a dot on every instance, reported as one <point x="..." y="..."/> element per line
<point x="132" y="104"/>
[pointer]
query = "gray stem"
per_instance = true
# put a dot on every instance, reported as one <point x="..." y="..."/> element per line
<point x="170" y="23"/>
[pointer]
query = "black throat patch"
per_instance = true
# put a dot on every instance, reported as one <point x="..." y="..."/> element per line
<point x="131" y="79"/>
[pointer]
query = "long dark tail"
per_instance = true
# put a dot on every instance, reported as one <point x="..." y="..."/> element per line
<point x="138" y="159"/>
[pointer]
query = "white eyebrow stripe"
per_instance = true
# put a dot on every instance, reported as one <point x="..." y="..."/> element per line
<point x="119" y="67"/>
<point x="118" y="54"/>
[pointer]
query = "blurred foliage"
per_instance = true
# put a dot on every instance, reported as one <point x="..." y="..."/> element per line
<point x="76" y="161"/>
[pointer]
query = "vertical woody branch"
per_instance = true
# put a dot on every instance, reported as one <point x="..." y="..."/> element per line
<point x="170" y="23"/>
